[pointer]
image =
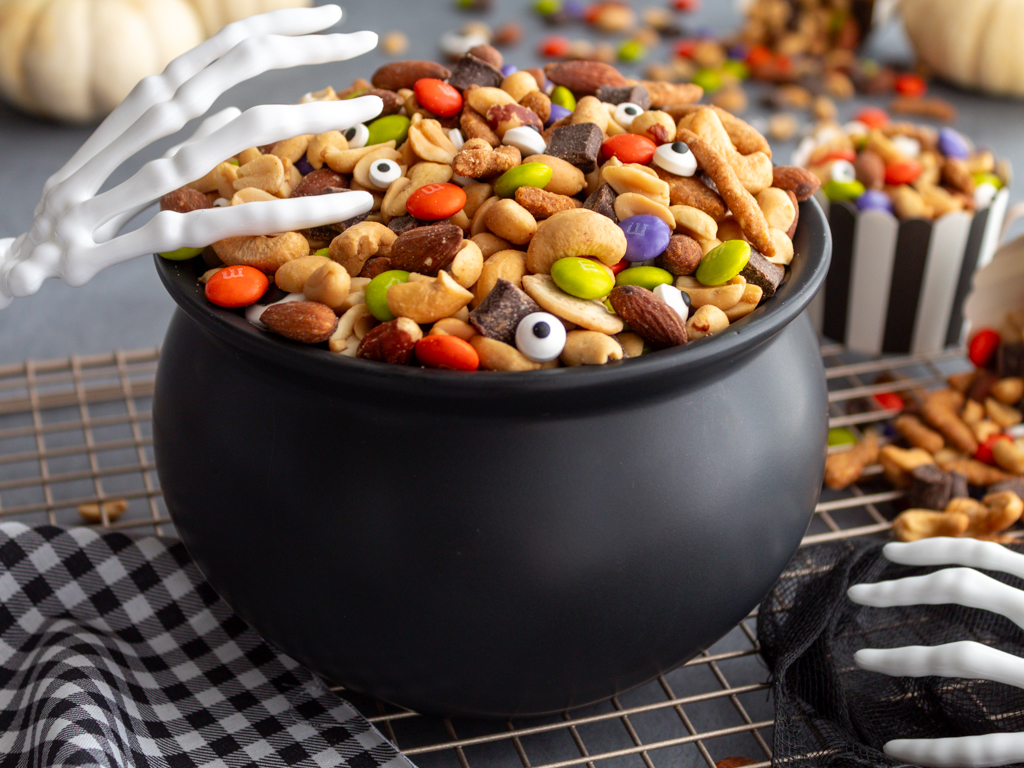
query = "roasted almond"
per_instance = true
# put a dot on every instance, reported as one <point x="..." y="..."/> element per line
<point x="183" y="200"/>
<point x="426" y="249"/>
<point x="391" y="342"/>
<point x="309" y="322"/>
<point x="404" y="74"/>
<point x="802" y="182"/>
<point x="584" y="77"/>
<point x="393" y="103"/>
<point x="648" y="315"/>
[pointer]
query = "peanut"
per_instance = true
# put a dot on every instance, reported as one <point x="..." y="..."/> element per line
<point x="467" y="264"/>
<point x="489" y="243"/>
<point x="917" y="434"/>
<point x="722" y="296"/>
<point x="507" y="265"/>
<point x="1002" y="414"/>
<point x="452" y="326"/>
<point x="329" y="285"/>
<point x="566" y="178"/>
<point x="267" y="254"/>
<point x="1009" y="456"/>
<point x="1008" y="391"/>
<point x="915" y="524"/>
<point x="748" y="302"/>
<point x="427" y="301"/>
<point x="706" y="321"/>
<point x="899" y="462"/>
<point x="633" y="204"/>
<point x="629" y="178"/>
<point x="846" y="467"/>
<point x="358" y="243"/>
<point x="292" y="276"/>
<point x="510" y="221"/>
<point x="694" y="222"/>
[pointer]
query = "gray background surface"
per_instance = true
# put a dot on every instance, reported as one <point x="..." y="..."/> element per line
<point x="125" y="307"/>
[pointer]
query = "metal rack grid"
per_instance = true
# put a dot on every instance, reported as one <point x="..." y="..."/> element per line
<point x="77" y="431"/>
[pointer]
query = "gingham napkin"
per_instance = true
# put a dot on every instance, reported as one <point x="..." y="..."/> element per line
<point x="115" y="652"/>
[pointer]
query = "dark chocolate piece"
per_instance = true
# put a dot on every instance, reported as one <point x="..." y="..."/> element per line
<point x="958" y="485"/>
<point x="401" y="224"/>
<point x="579" y="144"/>
<point x="929" y="489"/>
<point x="602" y="201"/>
<point x="1011" y="359"/>
<point x="469" y="70"/>
<point x="498" y="315"/>
<point x="632" y="94"/>
<point x="1015" y="484"/>
<point x="761" y="272"/>
<point x="981" y="385"/>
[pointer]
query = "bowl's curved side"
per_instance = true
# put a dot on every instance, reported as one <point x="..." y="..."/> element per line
<point x="489" y="565"/>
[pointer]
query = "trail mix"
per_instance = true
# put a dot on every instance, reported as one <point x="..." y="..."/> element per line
<point x="521" y="219"/>
<point x="912" y="171"/>
<point x="958" y="451"/>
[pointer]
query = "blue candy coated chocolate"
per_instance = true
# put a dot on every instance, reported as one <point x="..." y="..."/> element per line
<point x="952" y="144"/>
<point x="873" y="200"/>
<point x="557" y="113"/>
<point x="509" y="69"/>
<point x="647" y="236"/>
<point x="302" y="166"/>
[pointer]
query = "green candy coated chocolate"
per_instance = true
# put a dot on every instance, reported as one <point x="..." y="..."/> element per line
<point x="646" y="277"/>
<point x="736" y="68"/>
<point x="547" y="7"/>
<point x="182" y="254"/>
<point x="723" y="262"/>
<point x="842" y="190"/>
<point x="563" y="97"/>
<point x="841" y="436"/>
<point x="525" y="175"/>
<point x="583" y="278"/>
<point x="708" y="79"/>
<point x="988" y="178"/>
<point x="632" y="50"/>
<point x="323" y="252"/>
<point x="377" y="292"/>
<point x="387" y="128"/>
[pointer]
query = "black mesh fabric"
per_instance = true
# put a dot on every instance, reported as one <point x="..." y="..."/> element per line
<point x="830" y="713"/>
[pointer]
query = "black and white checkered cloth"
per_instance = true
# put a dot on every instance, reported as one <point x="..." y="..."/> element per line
<point x="115" y="652"/>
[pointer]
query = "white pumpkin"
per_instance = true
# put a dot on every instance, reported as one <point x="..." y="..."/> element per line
<point x="216" y="13"/>
<point x="76" y="60"/>
<point x="975" y="43"/>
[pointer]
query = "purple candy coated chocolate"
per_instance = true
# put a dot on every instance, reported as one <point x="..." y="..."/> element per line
<point x="509" y="69"/>
<point x="302" y="166"/>
<point x="738" y="52"/>
<point x="574" y="9"/>
<point x="873" y="200"/>
<point x="647" y="236"/>
<point x="557" y="113"/>
<point x="952" y="144"/>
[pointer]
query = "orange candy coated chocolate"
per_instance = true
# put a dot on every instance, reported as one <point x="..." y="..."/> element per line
<point x="629" y="148"/>
<point x="910" y="85"/>
<point x="436" y="201"/>
<point x="872" y="117"/>
<point x="903" y="172"/>
<point x="444" y="351"/>
<point x="437" y="96"/>
<point x="236" y="287"/>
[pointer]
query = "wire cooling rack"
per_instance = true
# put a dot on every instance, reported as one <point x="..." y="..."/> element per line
<point x="76" y="440"/>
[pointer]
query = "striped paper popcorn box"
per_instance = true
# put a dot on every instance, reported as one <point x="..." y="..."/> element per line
<point x="996" y="297"/>
<point x="899" y="285"/>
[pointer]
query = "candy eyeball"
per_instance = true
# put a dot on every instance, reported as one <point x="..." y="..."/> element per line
<point x="843" y="170"/>
<point x="357" y="136"/>
<point x="626" y="112"/>
<point x="984" y="194"/>
<point x="456" y="138"/>
<point x="383" y="172"/>
<point x="674" y="298"/>
<point x="907" y="146"/>
<point x="526" y="139"/>
<point x="676" y="158"/>
<point x="540" y="336"/>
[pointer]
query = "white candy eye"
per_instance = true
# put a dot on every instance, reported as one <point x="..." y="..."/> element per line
<point x="676" y="158"/>
<point x="843" y="170"/>
<point x="357" y="136"/>
<point x="526" y="140"/>
<point x="674" y="298"/>
<point x="984" y="194"/>
<point x="626" y="112"/>
<point x="383" y="172"/>
<point x="456" y="138"/>
<point x="540" y="336"/>
<point x="908" y="146"/>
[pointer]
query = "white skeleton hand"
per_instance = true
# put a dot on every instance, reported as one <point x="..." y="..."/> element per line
<point x="960" y="586"/>
<point x="74" y="233"/>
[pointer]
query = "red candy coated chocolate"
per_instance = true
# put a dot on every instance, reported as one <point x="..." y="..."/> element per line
<point x="982" y="347"/>
<point x="872" y="117"/>
<point x="436" y="201"/>
<point x="903" y="172"/>
<point x="438" y="97"/>
<point x="890" y="401"/>
<point x="234" y="287"/>
<point x="629" y="148"/>
<point x="444" y="351"/>
<point x="910" y="85"/>
<point x="554" y="47"/>
<point x="984" y="452"/>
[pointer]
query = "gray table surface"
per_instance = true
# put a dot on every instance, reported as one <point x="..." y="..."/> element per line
<point x="125" y="307"/>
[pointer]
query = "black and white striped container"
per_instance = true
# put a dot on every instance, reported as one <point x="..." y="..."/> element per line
<point x="898" y="286"/>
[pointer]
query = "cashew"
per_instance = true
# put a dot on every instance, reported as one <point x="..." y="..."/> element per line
<point x="361" y="172"/>
<point x="467" y="264"/>
<point x="509" y="220"/>
<point x="292" y="149"/>
<point x="590" y="110"/>
<point x="344" y="160"/>
<point x="914" y="524"/>
<point x="329" y="285"/>
<point x="696" y="223"/>
<point x="346" y="327"/>
<point x="430" y="142"/>
<point x="632" y="344"/>
<point x="427" y="301"/>
<point x="629" y="178"/>
<point x="777" y="208"/>
<point x="706" y="321"/>
<point x="722" y="296"/>
<point x="94" y="511"/>
<point x="265" y="172"/>
<point x="575" y="232"/>
<point x="1002" y="414"/>
<point x="251" y="195"/>
<point x="656" y="125"/>
<point x="983" y="430"/>
<point x="319" y="143"/>
<point x="482" y="99"/>
<point x="498" y="356"/>
<point x="634" y="204"/>
<point x="266" y="254"/>
<point x="293" y="275"/>
<point x="507" y="265"/>
<point x="589" y="348"/>
<point x="748" y="302"/>
<point x="566" y="178"/>
<point x="586" y="313"/>
<point x="452" y="326"/>
<point x="1004" y="509"/>
<point x="898" y="463"/>
<point x="359" y="242"/>
<point x="489" y="243"/>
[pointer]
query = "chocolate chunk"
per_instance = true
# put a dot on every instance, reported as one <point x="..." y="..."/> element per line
<point x="579" y="144"/>
<point x="929" y="488"/>
<point x="469" y="70"/>
<point x="981" y="385"/>
<point x="1015" y="484"/>
<point x="602" y="201"/>
<point x="761" y="272"/>
<point x="632" y="94"/>
<point x="498" y="315"/>
<point x="958" y="485"/>
<point x="401" y="224"/>
<point x="1011" y="359"/>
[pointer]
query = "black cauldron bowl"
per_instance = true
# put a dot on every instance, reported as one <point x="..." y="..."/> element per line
<point x="493" y="544"/>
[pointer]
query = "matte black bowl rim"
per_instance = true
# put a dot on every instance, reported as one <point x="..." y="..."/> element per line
<point x="805" y="277"/>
